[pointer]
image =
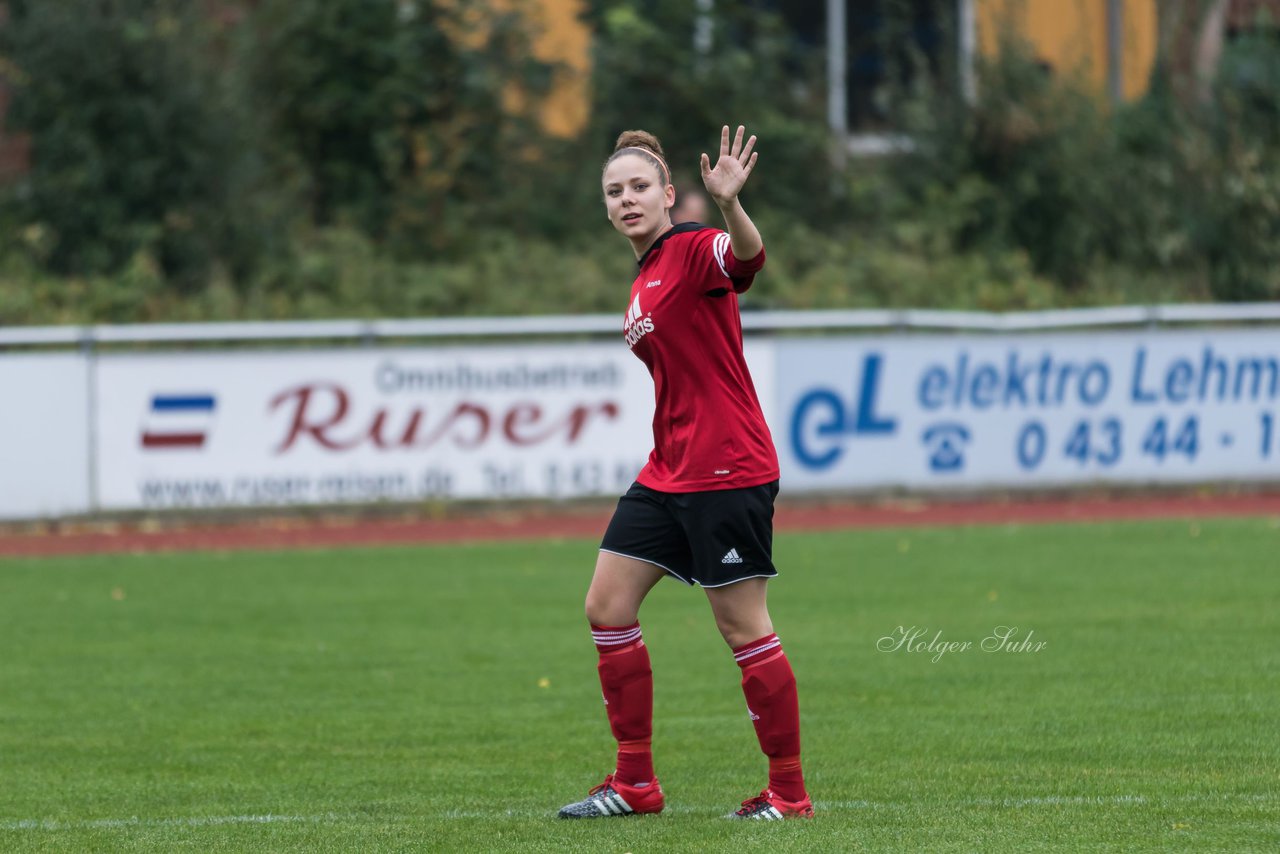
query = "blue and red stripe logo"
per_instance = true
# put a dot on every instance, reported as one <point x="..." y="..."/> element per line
<point x="178" y="420"/>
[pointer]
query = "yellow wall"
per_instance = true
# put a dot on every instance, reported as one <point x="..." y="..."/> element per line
<point x="1071" y="36"/>
<point x="562" y="38"/>
<point x="558" y="37"/>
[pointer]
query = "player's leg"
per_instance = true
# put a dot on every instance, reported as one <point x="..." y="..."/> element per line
<point x="626" y="679"/>
<point x="733" y="559"/>
<point x="769" y="686"/>
<point x="741" y="610"/>
<point x="618" y="588"/>
<point x="636" y="551"/>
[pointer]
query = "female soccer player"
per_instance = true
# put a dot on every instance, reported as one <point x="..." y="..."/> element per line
<point x="701" y="510"/>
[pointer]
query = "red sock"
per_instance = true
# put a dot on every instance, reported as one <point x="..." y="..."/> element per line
<point x="770" y="689"/>
<point x="627" y="682"/>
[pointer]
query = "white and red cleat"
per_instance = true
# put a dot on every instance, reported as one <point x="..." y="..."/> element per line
<point x="614" y="798"/>
<point x="769" y="807"/>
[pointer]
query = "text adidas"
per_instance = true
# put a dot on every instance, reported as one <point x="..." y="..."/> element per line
<point x="636" y="326"/>
<point x="640" y="329"/>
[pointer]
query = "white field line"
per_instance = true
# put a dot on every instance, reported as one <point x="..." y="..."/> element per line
<point x="1066" y="800"/>
<point x="194" y="821"/>
<point x="1014" y="803"/>
<point x="679" y="809"/>
<point x="843" y="806"/>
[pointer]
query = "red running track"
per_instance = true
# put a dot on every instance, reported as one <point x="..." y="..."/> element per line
<point x="292" y="533"/>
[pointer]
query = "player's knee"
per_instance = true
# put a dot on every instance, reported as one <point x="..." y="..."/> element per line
<point x="593" y="607"/>
<point x="736" y="634"/>
<point x="604" y="609"/>
<point x="741" y="629"/>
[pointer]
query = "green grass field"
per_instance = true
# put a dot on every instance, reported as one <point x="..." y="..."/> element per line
<point x="445" y="699"/>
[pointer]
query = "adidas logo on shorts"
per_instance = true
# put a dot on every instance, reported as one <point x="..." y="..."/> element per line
<point x="731" y="557"/>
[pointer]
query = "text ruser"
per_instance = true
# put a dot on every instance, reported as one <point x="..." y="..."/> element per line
<point x="322" y="413"/>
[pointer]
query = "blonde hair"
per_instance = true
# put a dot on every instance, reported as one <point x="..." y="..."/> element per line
<point x="647" y="146"/>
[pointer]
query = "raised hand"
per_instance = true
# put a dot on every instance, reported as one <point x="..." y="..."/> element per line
<point x="732" y="168"/>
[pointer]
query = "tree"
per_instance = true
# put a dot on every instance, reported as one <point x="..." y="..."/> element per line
<point x="1189" y="44"/>
<point x="1221" y="140"/>
<point x="134" y="142"/>
<point x="388" y="114"/>
<point x="649" y="72"/>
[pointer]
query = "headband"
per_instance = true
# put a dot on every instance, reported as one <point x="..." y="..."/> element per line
<point x="666" y="172"/>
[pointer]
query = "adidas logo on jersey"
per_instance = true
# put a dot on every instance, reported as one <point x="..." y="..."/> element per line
<point x="636" y="327"/>
<point x="731" y="557"/>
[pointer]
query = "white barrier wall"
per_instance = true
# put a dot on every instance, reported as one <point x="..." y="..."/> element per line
<point x="367" y="425"/>
<point x="117" y="431"/>
<point x="937" y="412"/>
<point x="44" y="435"/>
<point x="355" y="425"/>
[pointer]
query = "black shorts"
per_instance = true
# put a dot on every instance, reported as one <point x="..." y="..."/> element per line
<point x="709" y="538"/>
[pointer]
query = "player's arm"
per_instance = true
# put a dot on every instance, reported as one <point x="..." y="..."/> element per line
<point x="723" y="183"/>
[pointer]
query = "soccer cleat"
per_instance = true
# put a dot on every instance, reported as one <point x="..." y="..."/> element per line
<point x="769" y="807"/>
<point x="612" y="798"/>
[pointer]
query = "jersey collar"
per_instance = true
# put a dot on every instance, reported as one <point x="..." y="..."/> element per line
<point x="682" y="228"/>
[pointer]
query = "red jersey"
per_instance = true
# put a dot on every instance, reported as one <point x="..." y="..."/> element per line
<point x="682" y="322"/>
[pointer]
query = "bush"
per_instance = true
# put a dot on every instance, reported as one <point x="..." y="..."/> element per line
<point x="399" y="119"/>
<point x="1028" y="168"/>
<point x="134" y="144"/>
<point x="346" y="158"/>
<point x="1237" y="218"/>
<point x="646" y="76"/>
